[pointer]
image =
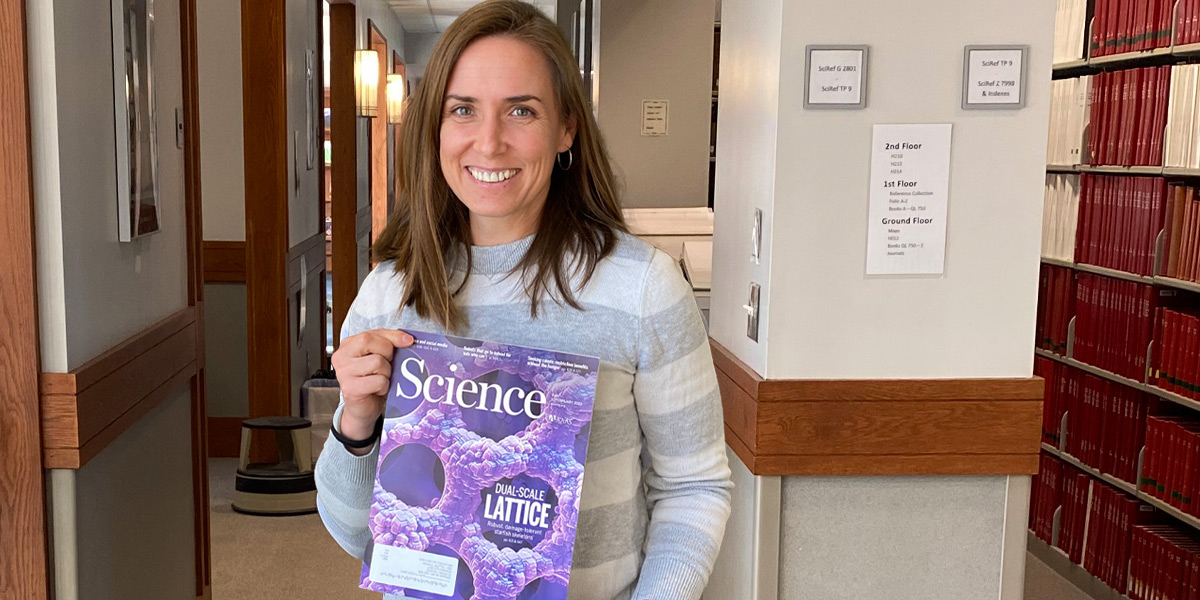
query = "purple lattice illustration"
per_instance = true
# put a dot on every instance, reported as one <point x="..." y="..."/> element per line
<point x="480" y="471"/>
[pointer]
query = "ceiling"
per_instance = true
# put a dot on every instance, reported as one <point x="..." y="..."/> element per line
<point x="433" y="16"/>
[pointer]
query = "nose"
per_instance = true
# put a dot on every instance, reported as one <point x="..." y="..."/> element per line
<point x="490" y="138"/>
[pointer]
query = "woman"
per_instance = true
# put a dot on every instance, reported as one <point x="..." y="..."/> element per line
<point x="508" y="229"/>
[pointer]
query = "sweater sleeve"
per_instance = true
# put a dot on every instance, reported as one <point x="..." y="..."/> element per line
<point x="345" y="482"/>
<point x="688" y="478"/>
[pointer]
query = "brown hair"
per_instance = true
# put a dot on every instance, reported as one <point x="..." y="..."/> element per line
<point x="429" y="224"/>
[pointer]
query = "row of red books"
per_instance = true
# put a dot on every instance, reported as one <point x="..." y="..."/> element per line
<point x="1119" y="218"/>
<point x="1165" y="565"/>
<point x="1187" y="25"/>
<point x="1113" y="324"/>
<point x="1056" y="306"/>
<point x="1177" y="352"/>
<point x="1044" y="496"/>
<point x="1112" y="515"/>
<point x="1075" y="487"/>
<point x="1130" y="25"/>
<point x="1171" y="461"/>
<point x="1181" y="244"/>
<point x="1128" y="116"/>
<point x="1054" y="403"/>
<point x="1106" y="424"/>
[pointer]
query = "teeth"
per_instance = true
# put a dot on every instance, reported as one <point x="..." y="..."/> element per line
<point x="492" y="176"/>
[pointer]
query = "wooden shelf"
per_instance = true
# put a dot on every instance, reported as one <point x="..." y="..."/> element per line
<point x="1129" y="57"/>
<point x="1060" y="563"/>
<point x="1062" y="168"/>
<point x="1180" y="172"/>
<point x="1071" y="64"/>
<point x="1184" y="518"/>
<point x="1115" y="274"/>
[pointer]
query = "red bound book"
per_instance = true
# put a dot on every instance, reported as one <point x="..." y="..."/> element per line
<point x="1095" y="126"/>
<point x="1156" y="357"/>
<point x="1137" y="567"/>
<point x="1149" y="481"/>
<point x="1189" y="233"/>
<point x="1121" y="140"/>
<point x="1158" y="207"/>
<point x="1095" y="216"/>
<point x="1136" y="115"/>
<point x="1188" y="376"/>
<point x="1160" y="123"/>
<point x="1150" y="209"/>
<point x="1116" y="117"/>
<point x="1142" y="30"/>
<point x="1145" y="328"/>
<point x="1148" y="112"/>
<point x="1186" y="239"/>
<point x="1170" y="351"/>
<point x="1188" y="475"/>
<point x="1081" y="230"/>
<point x="1124" y="26"/>
<point x="1093" y="532"/>
<point x="1172" y="226"/>
<point x="1121" y="238"/>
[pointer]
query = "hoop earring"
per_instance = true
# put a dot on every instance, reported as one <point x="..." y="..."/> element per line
<point x="570" y="160"/>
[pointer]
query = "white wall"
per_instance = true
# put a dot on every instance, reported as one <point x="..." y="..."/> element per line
<point x="977" y="320"/>
<point x="113" y="290"/>
<point x="747" y="125"/>
<point x="419" y="47"/>
<point x="94" y="292"/>
<point x="222" y="159"/>
<point x="135" y="511"/>
<point x="658" y="50"/>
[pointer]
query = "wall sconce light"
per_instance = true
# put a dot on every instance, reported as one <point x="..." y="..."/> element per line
<point x="366" y="82"/>
<point x="395" y="97"/>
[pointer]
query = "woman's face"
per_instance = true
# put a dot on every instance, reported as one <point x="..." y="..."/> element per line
<point x="501" y="131"/>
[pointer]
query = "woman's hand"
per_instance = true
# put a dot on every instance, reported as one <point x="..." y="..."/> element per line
<point x="363" y="364"/>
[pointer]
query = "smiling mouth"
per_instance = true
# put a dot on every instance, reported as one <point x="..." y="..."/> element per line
<point x="486" y="176"/>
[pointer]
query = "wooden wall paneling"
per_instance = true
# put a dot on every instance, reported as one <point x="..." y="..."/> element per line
<point x="880" y="427"/>
<point x="224" y="262"/>
<point x="24" y="574"/>
<point x="83" y="411"/>
<point x="224" y="436"/>
<point x="344" y="171"/>
<point x="265" y="128"/>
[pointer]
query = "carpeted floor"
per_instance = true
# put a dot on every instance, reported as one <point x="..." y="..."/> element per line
<point x="1042" y="583"/>
<point x="274" y="558"/>
<point x="293" y="558"/>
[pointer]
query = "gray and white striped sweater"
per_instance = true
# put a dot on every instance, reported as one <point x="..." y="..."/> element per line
<point x="656" y="490"/>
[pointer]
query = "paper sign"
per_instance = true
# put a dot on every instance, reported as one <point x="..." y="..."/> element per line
<point x="654" y="118"/>
<point x="836" y="77"/>
<point x="415" y="570"/>
<point x="910" y="181"/>
<point x="994" y="77"/>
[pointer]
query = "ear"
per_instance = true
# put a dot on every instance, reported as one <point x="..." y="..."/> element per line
<point x="568" y="137"/>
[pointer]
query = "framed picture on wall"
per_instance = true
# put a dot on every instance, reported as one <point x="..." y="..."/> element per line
<point x="136" y="118"/>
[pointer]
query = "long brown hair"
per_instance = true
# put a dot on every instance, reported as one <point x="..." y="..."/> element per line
<point x="429" y="224"/>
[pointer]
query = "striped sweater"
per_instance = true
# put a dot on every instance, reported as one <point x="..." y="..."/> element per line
<point x="656" y="491"/>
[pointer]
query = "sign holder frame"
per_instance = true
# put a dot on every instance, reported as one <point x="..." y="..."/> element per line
<point x="862" y="76"/>
<point x="1021" y="83"/>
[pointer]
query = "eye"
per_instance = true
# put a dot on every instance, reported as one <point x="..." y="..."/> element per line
<point x="522" y="111"/>
<point x="461" y="111"/>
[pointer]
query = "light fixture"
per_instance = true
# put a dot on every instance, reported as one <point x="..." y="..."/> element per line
<point x="395" y="97"/>
<point x="366" y="82"/>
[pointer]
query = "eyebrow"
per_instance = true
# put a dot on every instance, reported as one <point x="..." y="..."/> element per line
<point x="509" y="100"/>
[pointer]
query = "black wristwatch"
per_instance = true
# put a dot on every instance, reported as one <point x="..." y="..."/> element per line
<point x="367" y="443"/>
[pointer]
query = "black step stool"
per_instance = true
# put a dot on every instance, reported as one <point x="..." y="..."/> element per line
<point x="286" y="487"/>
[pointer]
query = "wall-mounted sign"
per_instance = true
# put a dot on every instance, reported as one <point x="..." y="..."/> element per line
<point x="654" y="118"/>
<point x="994" y="77"/>
<point x="910" y="185"/>
<point x="835" y="76"/>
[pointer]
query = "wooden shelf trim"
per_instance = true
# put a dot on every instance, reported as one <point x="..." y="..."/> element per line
<point x="85" y="410"/>
<point x="880" y="427"/>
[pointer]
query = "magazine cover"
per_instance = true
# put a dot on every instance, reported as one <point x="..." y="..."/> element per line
<point x="480" y="471"/>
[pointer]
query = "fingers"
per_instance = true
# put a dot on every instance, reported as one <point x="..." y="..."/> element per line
<point x="399" y="339"/>
<point x="376" y="341"/>
<point x="366" y="386"/>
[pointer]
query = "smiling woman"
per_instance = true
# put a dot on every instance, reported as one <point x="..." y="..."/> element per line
<point x="508" y="229"/>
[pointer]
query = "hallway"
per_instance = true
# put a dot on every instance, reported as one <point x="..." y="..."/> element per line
<point x="247" y="552"/>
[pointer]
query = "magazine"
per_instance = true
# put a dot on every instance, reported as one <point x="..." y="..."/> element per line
<point x="481" y="466"/>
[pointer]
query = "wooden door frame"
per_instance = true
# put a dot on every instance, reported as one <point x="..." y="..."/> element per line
<point x="377" y="150"/>
<point x="265" y="137"/>
<point x="343" y="133"/>
<point x="195" y="278"/>
<point x="24" y="560"/>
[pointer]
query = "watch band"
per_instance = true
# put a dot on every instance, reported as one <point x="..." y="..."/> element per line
<point x="367" y="443"/>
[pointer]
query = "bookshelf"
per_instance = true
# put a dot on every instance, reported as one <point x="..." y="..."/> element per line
<point x="1060" y="563"/>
